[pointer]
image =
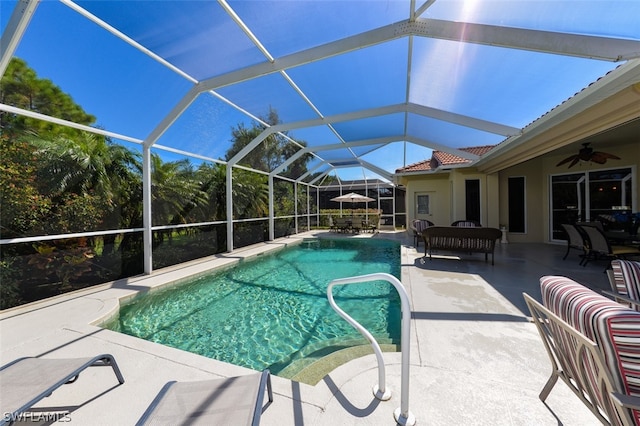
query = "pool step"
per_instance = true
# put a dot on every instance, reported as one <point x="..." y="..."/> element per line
<point x="312" y="368"/>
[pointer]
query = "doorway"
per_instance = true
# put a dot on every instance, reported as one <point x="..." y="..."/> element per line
<point x="472" y="199"/>
<point x="424" y="205"/>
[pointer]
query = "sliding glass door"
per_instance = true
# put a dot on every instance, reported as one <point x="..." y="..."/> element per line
<point x="604" y="195"/>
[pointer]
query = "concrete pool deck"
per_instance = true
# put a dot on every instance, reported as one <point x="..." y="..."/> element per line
<point x="475" y="357"/>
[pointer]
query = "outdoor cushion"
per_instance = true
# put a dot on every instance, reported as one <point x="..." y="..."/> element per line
<point x="626" y="276"/>
<point x="612" y="326"/>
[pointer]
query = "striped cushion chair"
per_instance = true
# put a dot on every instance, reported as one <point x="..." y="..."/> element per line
<point x="467" y="224"/>
<point x="612" y="375"/>
<point x="626" y="282"/>
<point x="419" y="225"/>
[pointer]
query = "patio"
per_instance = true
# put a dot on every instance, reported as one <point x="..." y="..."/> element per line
<point x="475" y="357"/>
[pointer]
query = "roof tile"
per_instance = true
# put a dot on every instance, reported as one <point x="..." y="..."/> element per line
<point x="441" y="158"/>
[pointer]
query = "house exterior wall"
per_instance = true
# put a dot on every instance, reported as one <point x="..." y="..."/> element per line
<point x="538" y="172"/>
<point x="438" y="188"/>
<point x="489" y="195"/>
<point x="535" y="159"/>
<point x="448" y="190"/>
<point x="536" y="189"/>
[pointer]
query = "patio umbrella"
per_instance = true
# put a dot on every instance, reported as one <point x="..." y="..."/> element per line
<point x="352" y="198"/>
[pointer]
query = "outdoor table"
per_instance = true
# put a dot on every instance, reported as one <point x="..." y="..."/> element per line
<point x="622" y="237"/>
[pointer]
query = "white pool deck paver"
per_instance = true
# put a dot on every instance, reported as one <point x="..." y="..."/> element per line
<point x="475" y="357"/>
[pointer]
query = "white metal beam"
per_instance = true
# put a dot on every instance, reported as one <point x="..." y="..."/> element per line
<point x="385" y="174"/>
<point x="173" y="115"/>
<point x="313" y="169"/>
<point x="427" y="4"/>
<point x="289" y="161"/>
<point x="352" y="144"/>
<point x="450" y="117"/>
<point x="229" y="200"/>
<point x="126" y="39"/>
<point x="323" y="174"/>
<point x="463" y="120"/>
<point x="67" y="123"/>
<point x="348" y="44"/>
<point x="251" y="145"/>
<point x="12" y="34"/>
<point x="604" y="48"/>
<point x="337" y="118"/>
<point x="584" y="46"/>
<point x="147" y="218"/>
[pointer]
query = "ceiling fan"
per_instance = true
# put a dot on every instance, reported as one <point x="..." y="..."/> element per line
<point x="588" y="154"/>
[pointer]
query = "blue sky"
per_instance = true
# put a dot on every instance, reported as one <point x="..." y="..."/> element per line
<point x="130" y="93"/>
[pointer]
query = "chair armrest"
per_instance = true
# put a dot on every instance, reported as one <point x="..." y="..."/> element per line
<point x="626" y="401"/>
<point x="622" y="299"/>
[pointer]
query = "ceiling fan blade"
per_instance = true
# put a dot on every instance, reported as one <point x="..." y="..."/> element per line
<point x="597" y="158"/>
<point x="575" y="161"/>
<point x="566" y="160"/>
<point x="606" y="155"/>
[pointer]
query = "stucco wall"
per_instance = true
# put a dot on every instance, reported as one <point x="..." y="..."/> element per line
<point x="438" y="187"/>
<point x="535" y="186"/>
<point x="448" y="190"/>
<point x="537" y="174"/>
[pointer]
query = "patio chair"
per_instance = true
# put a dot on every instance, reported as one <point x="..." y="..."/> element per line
<point x="599" y="246"/>
<point x="368" y="226"/>
<point x="419" y="225"/>
<point x="235" y="400"/>
<point x="26" y="381"/>
<point x="575" y="240"/>
<point x="594" y="223"/>
<point x="342" y="224"/>
<point x="624" y="277"/>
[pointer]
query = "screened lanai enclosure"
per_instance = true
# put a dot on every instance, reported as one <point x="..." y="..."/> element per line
<point x="141" y="134"/>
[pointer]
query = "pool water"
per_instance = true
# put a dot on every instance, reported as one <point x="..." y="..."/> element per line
<point x="270" y="311"/>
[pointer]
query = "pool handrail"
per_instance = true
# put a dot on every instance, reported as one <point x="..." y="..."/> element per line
<point x="402" y="414"/>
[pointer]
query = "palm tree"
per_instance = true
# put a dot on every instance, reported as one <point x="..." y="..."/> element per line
<point x="175" y="191"/>
<point x="250" y="194"/>
<point x="88" y="163"/>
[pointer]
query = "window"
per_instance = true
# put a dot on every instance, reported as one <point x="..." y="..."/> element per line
<point x="422" y="203"/>
<point x="517" y="204"/>
<point x="602" y="195"/>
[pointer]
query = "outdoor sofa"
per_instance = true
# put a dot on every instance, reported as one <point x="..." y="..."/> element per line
<point x="461" y="239"/>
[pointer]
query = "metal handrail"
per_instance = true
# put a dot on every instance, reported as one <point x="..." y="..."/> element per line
<point x="402" y="414"/>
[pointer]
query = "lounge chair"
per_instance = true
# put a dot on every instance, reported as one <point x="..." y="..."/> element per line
<point x="576" y="240"/>
<point x="26" y="381"/>
<point x="235" y="400"/>
<point x="599" y="247"/>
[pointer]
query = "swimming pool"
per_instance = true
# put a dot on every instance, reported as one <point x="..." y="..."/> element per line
<point x="272" y="311"/>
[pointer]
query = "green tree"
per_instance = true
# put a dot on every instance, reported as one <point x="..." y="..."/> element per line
<point x="213" y="182"/>
<point x="24" y="208"/>
<point x="274" y="150"/>
<point x="269" y="154"/>
<point x="22" y="88"/>
<point x="175" y="190"/>
<point x="86" y="163"/>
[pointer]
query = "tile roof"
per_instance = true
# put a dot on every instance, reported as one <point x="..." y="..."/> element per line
<point x="441" y="158"/>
